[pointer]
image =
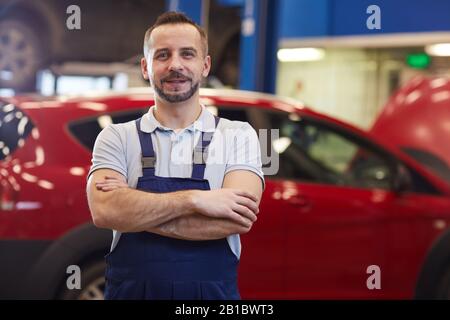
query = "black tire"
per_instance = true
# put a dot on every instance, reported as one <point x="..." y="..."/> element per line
<point x="434" y="278"/>
<point x="443" y="290"/>
<point x="92" y="283"/>
<point x="21" y="55"/>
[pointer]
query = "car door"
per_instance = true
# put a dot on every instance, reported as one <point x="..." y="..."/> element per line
<point x="262" y="263"/>
<point x="337" y="196"/>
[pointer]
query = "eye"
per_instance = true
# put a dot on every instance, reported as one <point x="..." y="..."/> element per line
<point x="162" y="55"/>
<point x="188" y="54"/>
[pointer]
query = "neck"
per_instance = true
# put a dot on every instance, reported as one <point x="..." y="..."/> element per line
<point x="177" y="115"/>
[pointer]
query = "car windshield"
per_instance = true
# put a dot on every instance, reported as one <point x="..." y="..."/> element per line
<point x="15" y="126"/>
<point x="431" y="161"/>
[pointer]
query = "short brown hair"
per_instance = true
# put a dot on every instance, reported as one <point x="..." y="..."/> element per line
<point x="173" y="17"/>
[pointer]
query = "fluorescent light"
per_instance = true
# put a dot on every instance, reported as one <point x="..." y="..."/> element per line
<point x="438" y="49"/>
<point x="46" y="83"/>
<point x="6" y="92"/>
<point x="300" y="54"/>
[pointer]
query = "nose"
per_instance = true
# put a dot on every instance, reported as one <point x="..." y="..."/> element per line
<point x="175" y="63"/>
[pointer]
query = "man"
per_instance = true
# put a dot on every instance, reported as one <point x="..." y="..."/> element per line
<point x="176" y="221"/>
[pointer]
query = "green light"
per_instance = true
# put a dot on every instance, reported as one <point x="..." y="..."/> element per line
<point x="418" y="60"/>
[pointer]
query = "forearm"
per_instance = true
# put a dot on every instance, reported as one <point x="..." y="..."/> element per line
<point x="198" y="227"/>
<point x="130" y="210"/>
<point x="213" y="214"/>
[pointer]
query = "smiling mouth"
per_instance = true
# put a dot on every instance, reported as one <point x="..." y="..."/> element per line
<point x="177" y="81"/>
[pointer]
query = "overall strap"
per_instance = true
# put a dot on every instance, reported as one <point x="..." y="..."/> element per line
<point x="201" y="152"/>
<point x="148" y="158"/>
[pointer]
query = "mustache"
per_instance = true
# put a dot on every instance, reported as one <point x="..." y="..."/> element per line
<point x="175" y="75"/>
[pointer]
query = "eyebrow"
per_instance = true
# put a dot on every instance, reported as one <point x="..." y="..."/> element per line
<point x="161" y="50"/>
<point x="181" y="49"/>
<point x="189" y="49"/>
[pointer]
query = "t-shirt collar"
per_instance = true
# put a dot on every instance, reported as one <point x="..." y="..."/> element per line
<point x="205" y="122"/>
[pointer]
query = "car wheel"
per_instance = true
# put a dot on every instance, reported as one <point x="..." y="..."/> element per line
<point x="92" y="283"/>
<point x="443" y="291"/>
<point x="21" y="55"/>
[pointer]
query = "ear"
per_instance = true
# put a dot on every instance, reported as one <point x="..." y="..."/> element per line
<point x="206" y="66"/>
<point x="144" y="68"/>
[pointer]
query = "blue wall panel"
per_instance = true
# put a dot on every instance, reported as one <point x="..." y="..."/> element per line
<point x="320" y="18"/>
<point x="304" y="18"/>
<point x="349" y="16"/>
<point x="192" y="8"/>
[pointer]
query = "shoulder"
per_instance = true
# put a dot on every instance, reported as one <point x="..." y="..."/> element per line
<point x="119" y="129"/>
<point x="125" y="126"/>
<point x="117" y="135"/>
<point x="227" y="126"/>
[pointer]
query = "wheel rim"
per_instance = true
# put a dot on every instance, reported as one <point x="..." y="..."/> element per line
<point x="17" y="55"/>
<point x="94" y="290"/>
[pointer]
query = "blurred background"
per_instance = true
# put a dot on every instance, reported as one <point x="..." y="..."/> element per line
<point x="321" y="52"/>
<point x="358" y="89"/>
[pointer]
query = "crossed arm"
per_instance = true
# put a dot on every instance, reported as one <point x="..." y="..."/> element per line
<point x="188" y="214"/>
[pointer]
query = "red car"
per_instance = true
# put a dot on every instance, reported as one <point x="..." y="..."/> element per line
<point x="343" y="217"/>
<point x="417" y="119"/>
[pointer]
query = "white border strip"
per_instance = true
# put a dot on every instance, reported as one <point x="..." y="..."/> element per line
<point x="369" y="41"/>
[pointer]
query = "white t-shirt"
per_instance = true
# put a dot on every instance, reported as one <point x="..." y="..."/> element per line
<point x="235" y="146"/>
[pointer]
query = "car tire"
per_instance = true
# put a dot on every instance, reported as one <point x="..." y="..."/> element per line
<point x="92" y="283"/>
<point x="443" y="290"/>
<point x="21" y="55"/>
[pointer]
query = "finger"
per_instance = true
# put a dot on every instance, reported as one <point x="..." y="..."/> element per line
<point x="246" y="222"/>
<point x="245" y="212"/>
<point x="242" y="229"/>
<point x="246" y="194"/>
<point x="240" y="219"/>
<point x="109" y="188"/>
<point x="236" y="217"/>
<point x="248" y="203"/>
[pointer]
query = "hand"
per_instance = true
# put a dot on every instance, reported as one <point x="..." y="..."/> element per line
<point x="110" y="183"/>
<point x="237" y="205"/>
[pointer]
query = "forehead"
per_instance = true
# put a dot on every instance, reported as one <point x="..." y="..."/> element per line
<point x="175" y="36"/>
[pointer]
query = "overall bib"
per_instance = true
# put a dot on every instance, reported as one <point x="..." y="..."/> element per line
<point x="145" y="265"/>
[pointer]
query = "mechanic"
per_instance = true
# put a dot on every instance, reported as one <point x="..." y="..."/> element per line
<point x="178" y="185"/>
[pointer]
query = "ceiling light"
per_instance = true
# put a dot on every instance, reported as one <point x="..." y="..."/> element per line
<point x="300" y="54"/>
<point x="438" y="49"/>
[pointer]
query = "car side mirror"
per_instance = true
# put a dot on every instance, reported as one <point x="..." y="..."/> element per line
<point x="402" y="179"/>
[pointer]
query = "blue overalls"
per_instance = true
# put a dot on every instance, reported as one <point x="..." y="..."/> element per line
<point x="145" y="265"/>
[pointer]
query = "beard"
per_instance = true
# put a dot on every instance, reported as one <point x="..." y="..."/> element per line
<point x="176" y="97"/>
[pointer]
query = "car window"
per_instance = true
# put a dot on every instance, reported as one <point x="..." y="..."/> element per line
<point x="15" y="127"/>
<point x="315" y="151"/>
<point x="87" y="130"/>
<point x="233" y="113"/>
<point x="431" y="161"/>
